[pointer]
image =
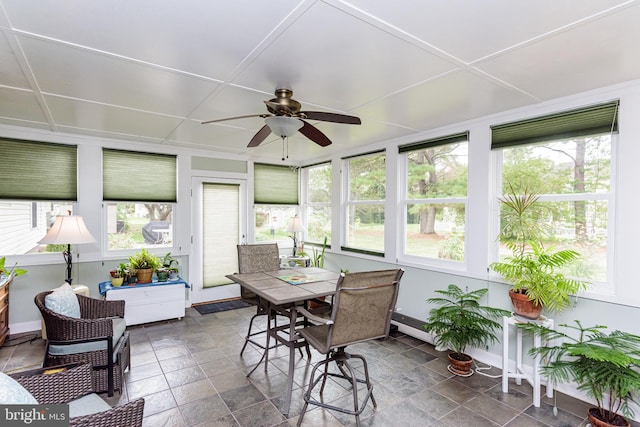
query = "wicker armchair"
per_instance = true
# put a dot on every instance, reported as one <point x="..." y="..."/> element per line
<point x="75" y="382"/>
<point x="89" y="338"/>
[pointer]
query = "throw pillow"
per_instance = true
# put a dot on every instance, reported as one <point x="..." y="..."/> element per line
<point x="63" y="301"/>
<point x="12" y="392"/>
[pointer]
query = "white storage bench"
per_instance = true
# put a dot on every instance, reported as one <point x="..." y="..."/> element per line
<point x="149" y="302"/>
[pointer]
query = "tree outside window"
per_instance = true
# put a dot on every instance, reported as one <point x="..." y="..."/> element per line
<point x="435" y="201"/>
<point x="573" y="177"/>
<point x="318" y="202"/>
<point x="365" y="203"/>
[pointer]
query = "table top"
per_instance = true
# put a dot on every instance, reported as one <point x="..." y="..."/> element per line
<point x="290" y="285"/>
<point x="106" y="286"/>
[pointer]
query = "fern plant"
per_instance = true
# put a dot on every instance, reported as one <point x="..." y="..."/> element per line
<point x="461" y="321"/>
<point x="604" y="366"/>
<point x="531" y="268"/>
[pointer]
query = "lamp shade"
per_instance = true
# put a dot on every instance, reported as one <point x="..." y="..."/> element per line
<point x="68" y="229"/>
<point x="295" y="225"/>
<point x="283" y="126"/>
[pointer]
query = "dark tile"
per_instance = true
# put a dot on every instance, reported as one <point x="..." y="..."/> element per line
<point x="201" y="410"/>
<point x="545" y="414"/>
<point x="242" y="397"/>
<point x="259" y="415"/>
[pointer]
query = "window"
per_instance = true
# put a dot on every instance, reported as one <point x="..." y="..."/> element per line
<point x="38" y="182"/>
<point x="435" y="197"/>
<point x="275" y="195"/>
<point x="567" y="158"/>
<point x="317" y="197"/>
<point x="139" y="190"/>
<point x="364" y="204"/>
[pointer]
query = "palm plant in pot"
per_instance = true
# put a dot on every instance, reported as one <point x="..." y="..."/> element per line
<point x="605" y="366"/>
<point x="460" y="321"/>
<point x="534" y="272"/>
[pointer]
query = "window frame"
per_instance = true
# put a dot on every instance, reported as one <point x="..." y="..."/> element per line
<point x="597" y="288"/>
<point x="405" y="201"/>
<point x="347" y="203"/>
<point x="307" y="203"/>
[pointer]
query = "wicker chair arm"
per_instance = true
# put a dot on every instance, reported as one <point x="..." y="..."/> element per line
<point x="73" y="382"/>
<point x="129" y="414"/>
<point x="63" y="328"/>
<point x="91" y="308"/>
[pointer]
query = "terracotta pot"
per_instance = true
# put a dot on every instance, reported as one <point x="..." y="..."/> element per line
<point x="619" y="420"/>
<point x="144" y="275"/>
<point x="524" y="307"/>
<point x="460" y="364"/>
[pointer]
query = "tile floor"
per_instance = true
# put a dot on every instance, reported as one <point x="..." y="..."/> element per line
<point x="190" y="374"/>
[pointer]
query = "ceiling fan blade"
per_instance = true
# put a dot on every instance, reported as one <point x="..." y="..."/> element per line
<point x="314" y="134"/>
<point x="331" y="117"/>
<point x="262" y="134"/>
<point x="238" y="117"/>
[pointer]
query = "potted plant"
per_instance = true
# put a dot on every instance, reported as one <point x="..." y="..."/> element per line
<point x="606" y="367"/>
<point x="461" y="321"/>
<point x="131" y="274"/>
<point x="117" y="275"/>
<point x="145" y="264"/>
<point x="533" y="270"/>
<point x="168" y="263"/>
<point x="10" y="272"/>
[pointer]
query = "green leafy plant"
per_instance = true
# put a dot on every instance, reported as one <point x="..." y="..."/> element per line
<point x="531" y="268"/>
<point x="168" y="262"/>
<point x="120" y="270"/>
<point x="461" y="321"/>
<point x="143" y="259"/>
<point x="13" y="271"/>
<point x="605" y="366"/>
<point x="317" y="256"/>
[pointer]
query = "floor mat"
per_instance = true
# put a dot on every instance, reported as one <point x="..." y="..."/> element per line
<point x="216" y="307"/>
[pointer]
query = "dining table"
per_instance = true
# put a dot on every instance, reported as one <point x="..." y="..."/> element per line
<point x="282" y="290"/>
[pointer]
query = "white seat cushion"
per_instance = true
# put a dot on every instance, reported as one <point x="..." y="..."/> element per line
<point x="13" y="393"/>
<point x="87" y="405"/>
<point x="119" y="326"/>
<point x="63" y="301"/>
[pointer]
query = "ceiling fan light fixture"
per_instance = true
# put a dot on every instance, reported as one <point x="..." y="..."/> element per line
<point x="283" y="126"/>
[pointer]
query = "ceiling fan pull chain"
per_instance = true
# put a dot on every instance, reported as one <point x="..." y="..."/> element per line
<point x="283" y="148"/>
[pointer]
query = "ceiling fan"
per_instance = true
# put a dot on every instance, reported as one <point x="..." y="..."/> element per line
<point x="285" y="119"/>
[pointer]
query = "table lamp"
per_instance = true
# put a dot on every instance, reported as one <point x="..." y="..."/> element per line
<point x="295" y="226"/>
<point x="68" y="229"/>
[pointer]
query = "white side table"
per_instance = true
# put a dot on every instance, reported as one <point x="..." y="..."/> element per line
<point x="535" y="380"/>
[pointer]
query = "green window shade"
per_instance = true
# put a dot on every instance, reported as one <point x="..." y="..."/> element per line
<point x="275" y="185"/>
<point x="38" y="171"/>
<point x="139" y="177"/>
<point x="435" y="142"/>
<point x="592" y="120"/>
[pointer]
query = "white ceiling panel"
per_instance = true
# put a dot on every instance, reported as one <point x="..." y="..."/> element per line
<point x="590" y="55"/>
<point x="150" y="71"/>
<point x="20" y="105"/>
<point x="201" y="37"/>
<point x="470" y="30"/>
<point x="455" y="97"/>
<point x="326" y="45"/>
<point x="77" y="73"/>
<point x="101" y="117"/>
